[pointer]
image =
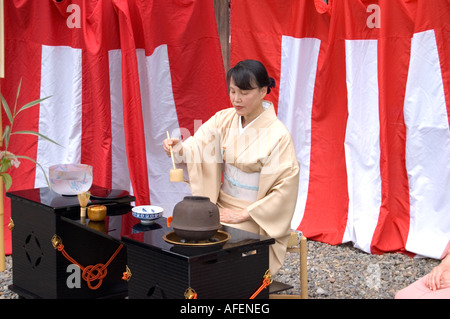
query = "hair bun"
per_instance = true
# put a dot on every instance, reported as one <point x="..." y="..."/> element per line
<point x="271" y="84"/>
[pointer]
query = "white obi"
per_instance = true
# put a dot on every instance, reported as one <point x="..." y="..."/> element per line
<point x="240" y="184"/>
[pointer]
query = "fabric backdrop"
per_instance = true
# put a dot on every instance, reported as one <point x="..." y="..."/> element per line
<point x="120" y="74"/>
<point x="363" y="86"/>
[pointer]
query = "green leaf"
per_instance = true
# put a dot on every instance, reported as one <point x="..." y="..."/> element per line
<point x="5" y="164"/>
<point x="37" y="134"/>
<point x="17" y="95"/>
<point x="7" y="180"/>
<point x="6" y="135"/>
<point x="28" y="105"/>
<point x="43" y="171"/>
<point x="6" y="108"/>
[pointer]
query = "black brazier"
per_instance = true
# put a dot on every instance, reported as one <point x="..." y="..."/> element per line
<point x="39" y="269"/>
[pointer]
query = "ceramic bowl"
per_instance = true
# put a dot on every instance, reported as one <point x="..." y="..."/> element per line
<point x="70" y="179"/>
<point x="147" y="213"/>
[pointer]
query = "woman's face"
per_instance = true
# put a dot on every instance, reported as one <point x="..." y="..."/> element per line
<point x="247" y="103"/>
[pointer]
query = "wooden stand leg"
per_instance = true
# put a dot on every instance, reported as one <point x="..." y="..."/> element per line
<point x="303" y="267"/>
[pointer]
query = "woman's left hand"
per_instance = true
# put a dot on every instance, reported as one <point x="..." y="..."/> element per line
<point x="231" y="216"/>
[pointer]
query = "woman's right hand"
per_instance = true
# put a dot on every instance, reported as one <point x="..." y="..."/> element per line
<point x="168" y="142"/>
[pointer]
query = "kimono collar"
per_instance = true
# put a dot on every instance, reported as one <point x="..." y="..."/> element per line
<point x="267" y="114"/>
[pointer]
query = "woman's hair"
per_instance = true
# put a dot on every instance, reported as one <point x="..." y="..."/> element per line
<point x="248" y="73"/>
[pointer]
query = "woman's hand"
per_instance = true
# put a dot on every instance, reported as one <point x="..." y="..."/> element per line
<point x="170" y="142"/>
<point x="231" y="216"/>
<point x="439" y="277"/>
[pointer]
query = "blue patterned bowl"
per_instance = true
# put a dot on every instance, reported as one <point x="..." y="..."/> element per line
<point x="147" y="213"/>
<point x="70" y="179"/>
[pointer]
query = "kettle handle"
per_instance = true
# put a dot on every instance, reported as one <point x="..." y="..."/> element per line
<point x="169" y="220"/>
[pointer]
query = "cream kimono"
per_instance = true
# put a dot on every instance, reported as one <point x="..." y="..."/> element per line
<point x="254" y="168"/>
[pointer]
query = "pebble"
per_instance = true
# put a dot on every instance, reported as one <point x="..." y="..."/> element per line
<point x="334" y="272"/>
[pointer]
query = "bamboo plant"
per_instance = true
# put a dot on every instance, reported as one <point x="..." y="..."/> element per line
<point x="8" y="159"/>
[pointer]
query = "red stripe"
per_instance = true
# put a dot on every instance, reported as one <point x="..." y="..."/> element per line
<point x="258" y="38"/>
<point x="132" y="108"/>
<point x="326" y="209"/>
<point x="393" y="62"/>
<point x="97" y="35"/>
<point x="437" y="19"/>
<point x="96" y="119"/>
<point x="443" y="45"/>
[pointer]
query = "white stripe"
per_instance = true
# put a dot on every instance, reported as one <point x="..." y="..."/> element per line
<point x="160" y="115"/>
<point x="297" y="79"/>
<point x="60" y="115"/>
<point x="427" y="149"/>
<point x="119" y="162"/>
<point x="362" y="142"/>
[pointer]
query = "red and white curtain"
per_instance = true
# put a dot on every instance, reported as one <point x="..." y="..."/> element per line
<point x="362" y="85"/>
<point x="364" y="88"/>
<point x="120" y="73"/>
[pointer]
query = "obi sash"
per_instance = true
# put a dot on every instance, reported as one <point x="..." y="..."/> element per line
<point x="240" y="184"/>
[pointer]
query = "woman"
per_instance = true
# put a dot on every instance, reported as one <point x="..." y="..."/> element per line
<point x="251" y="151"/>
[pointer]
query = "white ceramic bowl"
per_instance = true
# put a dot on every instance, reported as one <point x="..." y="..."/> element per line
<point x="70" y="179"/>
<point x="147" y="213"/>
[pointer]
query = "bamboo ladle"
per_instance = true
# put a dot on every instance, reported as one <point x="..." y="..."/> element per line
<point x="176" y="174"/>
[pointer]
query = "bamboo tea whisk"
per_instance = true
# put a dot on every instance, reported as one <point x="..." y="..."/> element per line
<point x="83" y="199"/>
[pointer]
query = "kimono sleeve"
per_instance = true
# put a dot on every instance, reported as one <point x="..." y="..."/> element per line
<point x="203" y="159"/>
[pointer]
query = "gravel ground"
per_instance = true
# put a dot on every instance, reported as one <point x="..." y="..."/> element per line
<point x="345" y="272"/>
<point x="6" y="280"/>
<point x="334" y="272"/>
